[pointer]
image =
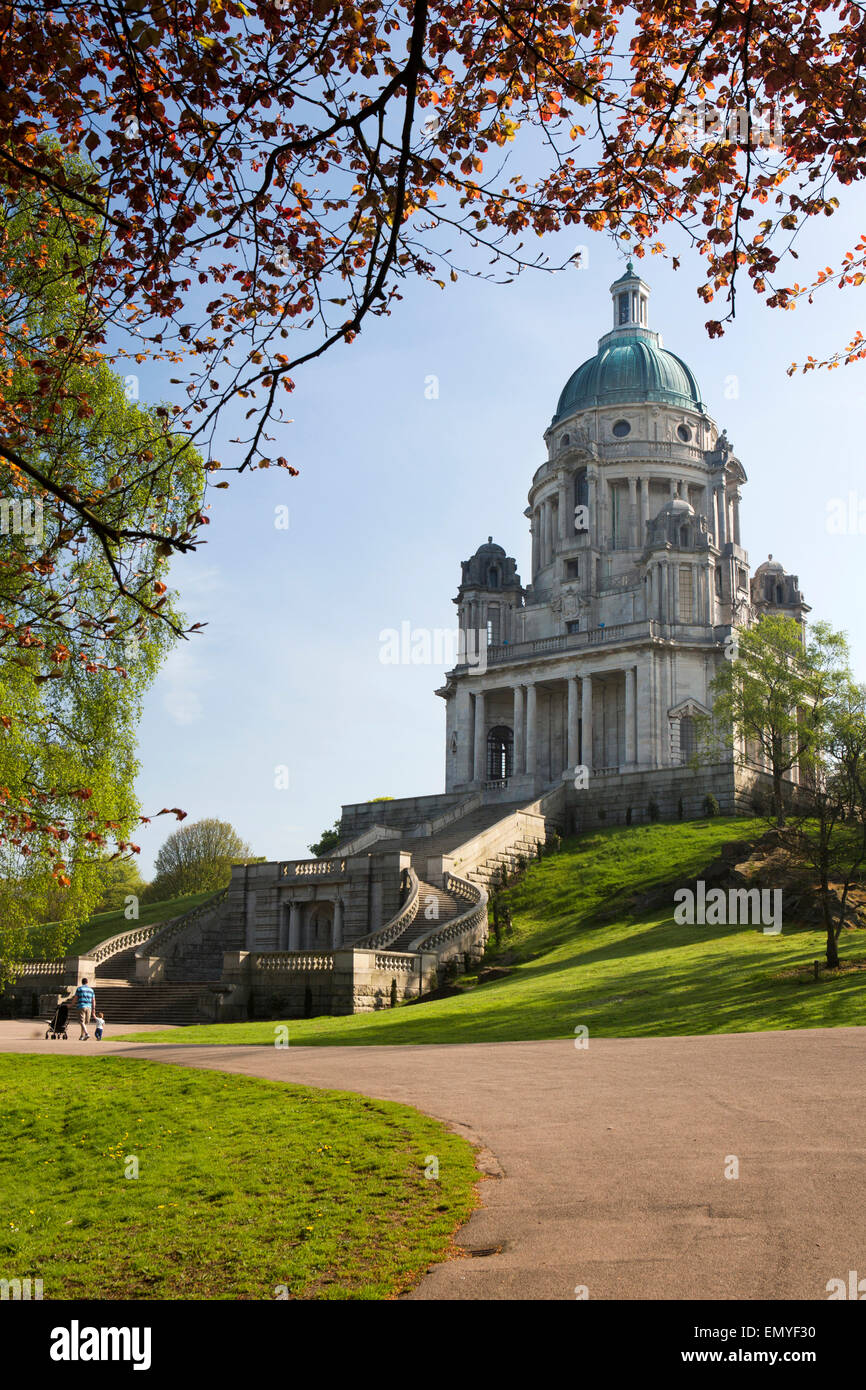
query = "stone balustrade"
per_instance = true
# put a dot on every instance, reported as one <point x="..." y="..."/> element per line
<point x="312" y="868"/>
<point x="398" y="924"/>
<point x="292" y="960"/>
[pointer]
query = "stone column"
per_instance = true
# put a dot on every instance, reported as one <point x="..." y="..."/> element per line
<point x="337" y="931"/>
<point x="534" y="529"/>
<point x="592" y="504"/>
<point x="632" y="512"/>
<point x="736" y="511"/>
<point x="295" y="927"/>
<point x="463" y="730"/>
<point x="530" y="729"/>
<point x="629" y="716"/>
<point x="479" y="770"/>
<point x="644" y="509"/>
<point x="519" y="749"/>
<point x="563" y="513"/>
<point x="586" y="721"/>
<point x="696" y="595"/>
<point x="722" y="510"/>
<point x="548" y="531"/>
<point x="673" y="486"/>
<point x="572" y="723"/>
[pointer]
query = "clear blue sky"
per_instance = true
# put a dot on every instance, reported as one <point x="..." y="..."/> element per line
<point x="395" y="489"/>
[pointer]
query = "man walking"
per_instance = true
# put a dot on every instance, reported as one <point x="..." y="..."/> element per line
<point x="84" y="998"/>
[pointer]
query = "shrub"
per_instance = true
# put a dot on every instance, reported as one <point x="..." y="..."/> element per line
<point x="680" y="811"/>
<point x="711" y="805"/>
<point x="652" y="810"/>
<point x="393" y="994"/>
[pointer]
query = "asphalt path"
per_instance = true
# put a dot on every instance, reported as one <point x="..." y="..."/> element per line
<point x="610" y="1168"/>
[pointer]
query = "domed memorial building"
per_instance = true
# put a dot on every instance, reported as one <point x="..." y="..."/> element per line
<point x="596" y="669"/>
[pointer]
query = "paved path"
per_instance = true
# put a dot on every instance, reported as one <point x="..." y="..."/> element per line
<point x="613" y="1157"/>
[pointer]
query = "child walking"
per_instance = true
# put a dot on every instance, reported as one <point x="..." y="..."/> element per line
<point x="99" y="1022"/>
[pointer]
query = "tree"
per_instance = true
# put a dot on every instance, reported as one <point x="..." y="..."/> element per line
<point x="328" y="841"/>
<point x="81" y="620"/>
<point x="774" y="697"/>
<point x="119" y="879"/>
<point x="255" y="181"/>
<point x="830" y="831"/>
<point x="198" y="858"/>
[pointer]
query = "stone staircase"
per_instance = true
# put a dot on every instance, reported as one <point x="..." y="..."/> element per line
<point x="489" y="873"/>
<point x="458" y="833"/>
<point x="202" y="957"/>
<point x="447" y="908"/>
<point x="125" y="1002"/>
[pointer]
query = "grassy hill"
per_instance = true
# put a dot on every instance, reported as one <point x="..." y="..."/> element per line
<point x="105" y="924"/>
<point x="582" y="955"/>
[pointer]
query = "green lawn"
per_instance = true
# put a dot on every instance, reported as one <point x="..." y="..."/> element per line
<point x="246" y="1187"/>
<point x="584" y="958"/>
<point x="102" y="925"/>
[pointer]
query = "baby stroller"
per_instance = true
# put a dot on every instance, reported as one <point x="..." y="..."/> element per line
<point x="57" y="1026"/>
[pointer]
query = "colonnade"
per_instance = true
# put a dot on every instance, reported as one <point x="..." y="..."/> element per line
<point x="579" y="724"/>
<point x="552" y="521"/>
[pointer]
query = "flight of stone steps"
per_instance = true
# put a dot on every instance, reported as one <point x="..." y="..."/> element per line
<point x="458" y="833"/>
<point x="489" y="874"/>
<point x="435" y="910"/>
<point x="124" y="1002"/>
<point x="202" y="957"/>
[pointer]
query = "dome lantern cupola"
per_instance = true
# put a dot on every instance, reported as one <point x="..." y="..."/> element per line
<point x="630" y="296"/>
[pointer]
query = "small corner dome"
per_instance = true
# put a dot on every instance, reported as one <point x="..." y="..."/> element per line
<point x="490" y="549"/>
<point x="770" y="566"/>
<point x="676" y="506"/>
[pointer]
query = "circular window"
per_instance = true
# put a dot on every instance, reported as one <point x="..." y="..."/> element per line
<point x="621" y="428"/>
<point x="684" y="433"/>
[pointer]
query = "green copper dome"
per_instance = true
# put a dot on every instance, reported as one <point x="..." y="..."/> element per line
<point x="631" y="365"/>
<point x="628" y="368"/>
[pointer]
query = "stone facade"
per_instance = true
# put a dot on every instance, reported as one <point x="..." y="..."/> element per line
<point x="639" y="578"/>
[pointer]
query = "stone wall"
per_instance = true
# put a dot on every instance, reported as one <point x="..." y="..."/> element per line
<point x="262" y="985"/>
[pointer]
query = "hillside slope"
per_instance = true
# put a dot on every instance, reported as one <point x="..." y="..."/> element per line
<point x="582" y="954"/>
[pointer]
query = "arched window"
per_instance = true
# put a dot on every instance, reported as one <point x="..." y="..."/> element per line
<point x="500" y="751"/>
<point x="688" y="738"/>
<point x="493" y="577"/>
<point x="581" y="488"/>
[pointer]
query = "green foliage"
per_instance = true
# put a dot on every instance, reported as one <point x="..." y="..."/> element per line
<point x="711" y="805"/>
<point x="76" y="653"/>
<point x="328" y="841"/>
<point x="774" y="698"/>
<point x="198" y="858"/>
<point x="120" y="881"/>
